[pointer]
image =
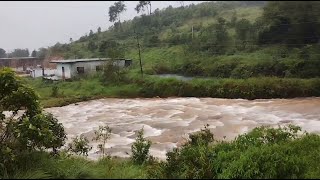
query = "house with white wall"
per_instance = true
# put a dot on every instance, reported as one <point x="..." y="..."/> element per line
<point x="70" y="68"/>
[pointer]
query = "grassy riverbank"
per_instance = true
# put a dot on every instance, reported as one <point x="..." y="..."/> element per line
<point x="133" y="86"/>
<point x="262" y="153"/>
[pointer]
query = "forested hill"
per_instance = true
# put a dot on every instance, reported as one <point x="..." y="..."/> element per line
<point x="219" y="39"/>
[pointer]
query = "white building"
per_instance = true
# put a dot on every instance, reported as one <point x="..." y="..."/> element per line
<point x="67" y="69"/>
<point x="41" y="72"/>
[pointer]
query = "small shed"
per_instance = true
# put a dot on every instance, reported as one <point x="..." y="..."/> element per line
<point x="70" y="68"/>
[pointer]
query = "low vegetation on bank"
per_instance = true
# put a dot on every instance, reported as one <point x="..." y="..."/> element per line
<point x="133" y="86"/>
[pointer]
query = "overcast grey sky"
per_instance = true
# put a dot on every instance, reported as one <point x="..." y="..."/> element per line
<point x="35" y="24"/>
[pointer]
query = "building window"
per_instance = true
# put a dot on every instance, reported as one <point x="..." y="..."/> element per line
<point x="127" y="63"/>
<point x="80" y="70"/>
<point x="98" y="68"/>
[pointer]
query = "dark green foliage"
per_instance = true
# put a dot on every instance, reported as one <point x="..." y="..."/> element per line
<point x="215" y="38"/>
<point x="92" y="46"/>
<point x="115" y="11"/>
<point x="110" y="49"/>
<point x="252" y="88"/>
<point x="31" y="131"/>
<point x="293" y="23"/>
<point x="113" y="74"/>
<point x="140" y="149"/>
<point x="262" y="153"/>
<point x="79" y="146"/>
<point x="55" y="91"/>
<point x="2" y="53"/>
<point x="19" y="53"/>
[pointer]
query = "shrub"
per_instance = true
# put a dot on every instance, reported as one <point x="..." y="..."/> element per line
<point x="102" y="134"/>
<point x="140" y="149"/>
<point x="55" y="91"/>
<point x="113" y="74"/>
<point x="31" y="131"/>
<point x="79" y="146"/>
<point x="264" y="152"/>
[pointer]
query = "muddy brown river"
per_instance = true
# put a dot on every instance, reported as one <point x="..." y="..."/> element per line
<point x="167" y="122"/>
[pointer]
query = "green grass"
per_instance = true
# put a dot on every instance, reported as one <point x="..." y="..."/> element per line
<point x="79" y="90"/>
<point x="251" y="88"/>
<point x="41" y="165"/>
<point x="264" y="152"/>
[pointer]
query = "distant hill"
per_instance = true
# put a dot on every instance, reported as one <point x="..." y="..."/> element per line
<point x="221" y="39"/>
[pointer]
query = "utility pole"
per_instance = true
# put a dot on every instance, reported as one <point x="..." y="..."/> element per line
<point x="138" y="43"/>
<point x="192" y="31"/>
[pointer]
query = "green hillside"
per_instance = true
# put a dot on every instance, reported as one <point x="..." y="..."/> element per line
<point x="234" y="35"/>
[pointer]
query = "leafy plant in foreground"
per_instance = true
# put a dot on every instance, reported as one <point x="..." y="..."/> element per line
<point x="140" y="148"/>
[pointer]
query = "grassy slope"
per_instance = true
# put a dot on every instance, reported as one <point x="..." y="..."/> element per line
<point x="167" y="54"/>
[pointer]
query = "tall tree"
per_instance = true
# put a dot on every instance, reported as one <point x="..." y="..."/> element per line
<point x="141" y="5"/>
<point x="2" y="53"/>
<point x="181" y="3"/>
<point x="215" y="37"/>
<point x="34" y="53"/>
<point x="90" y="33"/>
<point x="115" y="11"/>
<point x="242" y="28"/>
<point x="42" y="53"/>
<point x="19" y="53"/>
<point x="99" y="30"/>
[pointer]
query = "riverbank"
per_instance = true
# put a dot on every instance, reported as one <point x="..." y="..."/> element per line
<point x="63" y="93"/>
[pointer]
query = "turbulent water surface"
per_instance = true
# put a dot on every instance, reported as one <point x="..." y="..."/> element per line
<point x="167" y="122"/>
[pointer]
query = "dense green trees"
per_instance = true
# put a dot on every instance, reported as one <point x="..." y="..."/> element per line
<point x="30" y="131"/>
<point x="19" y="53"/>
<point x="34" y="53"/>
<point x="42" y="53"/>
<point x="292" y="23"/>
<point x="2" y="53"/>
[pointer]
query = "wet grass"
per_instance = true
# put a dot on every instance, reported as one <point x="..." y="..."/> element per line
<point x="41" y="165"/>
<point x="252" y="88"/>
<point x="278" y="154"/>
<point x="79" y="90"/>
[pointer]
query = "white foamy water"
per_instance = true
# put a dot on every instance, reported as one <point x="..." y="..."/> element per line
<point x="167" y="122"/>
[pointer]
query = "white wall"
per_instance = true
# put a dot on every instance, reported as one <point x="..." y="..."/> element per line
<point x="67" y="70"/>
<point x="89" y="67"/>
<point x="37" y="72"/>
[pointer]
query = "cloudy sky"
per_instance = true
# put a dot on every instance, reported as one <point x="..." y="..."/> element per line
<point x="34" y="24"/>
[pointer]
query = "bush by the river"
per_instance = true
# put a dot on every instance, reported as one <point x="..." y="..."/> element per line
<point x="252" y="88"/>
<point x="263" y="153"/>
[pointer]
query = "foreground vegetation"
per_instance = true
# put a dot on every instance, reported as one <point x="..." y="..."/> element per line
<point x="262" y="153"/>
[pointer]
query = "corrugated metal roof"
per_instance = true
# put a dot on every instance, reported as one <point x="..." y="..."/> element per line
<point x="83" y="60"/>
<point x="19" y="58"/>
